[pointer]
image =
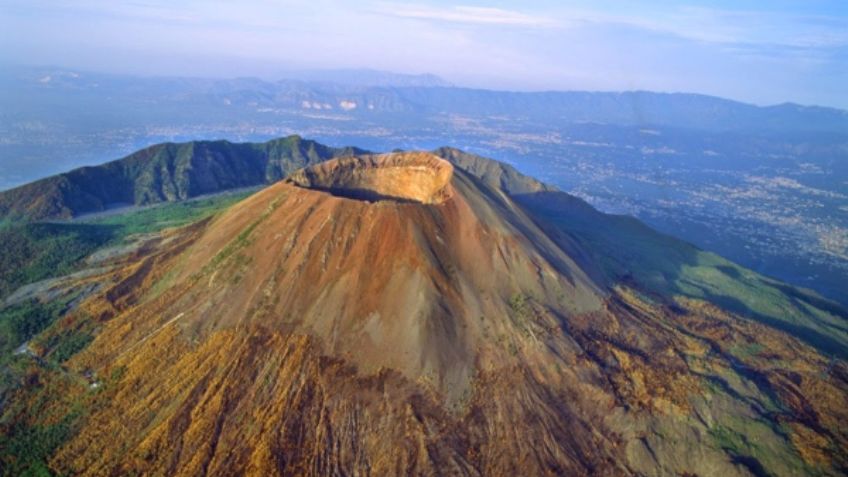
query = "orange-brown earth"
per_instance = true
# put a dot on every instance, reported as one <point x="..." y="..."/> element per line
<point x="397" y="315"/>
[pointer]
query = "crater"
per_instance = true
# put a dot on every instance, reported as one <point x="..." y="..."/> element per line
<point x="416" y="177"/>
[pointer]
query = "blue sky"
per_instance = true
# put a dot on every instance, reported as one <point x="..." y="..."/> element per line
<point x="758" y="51"/>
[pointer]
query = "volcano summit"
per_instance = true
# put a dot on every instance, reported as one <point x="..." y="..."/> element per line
<point x="437" y="313"/>
<point x="411" y="177"/>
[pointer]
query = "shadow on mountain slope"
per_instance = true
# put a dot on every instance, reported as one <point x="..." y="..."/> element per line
<point x="626" y="249"/>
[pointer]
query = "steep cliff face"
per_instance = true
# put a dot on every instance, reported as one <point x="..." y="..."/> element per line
<point x="398" y="314"/>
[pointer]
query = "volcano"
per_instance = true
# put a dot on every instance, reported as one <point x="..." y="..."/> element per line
<point x="420" y="313"/>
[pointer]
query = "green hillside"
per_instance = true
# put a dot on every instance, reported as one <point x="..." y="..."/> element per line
<point x="629" y="250"/>
<point x="37" y="251"/>
<point x="163" y="173"/>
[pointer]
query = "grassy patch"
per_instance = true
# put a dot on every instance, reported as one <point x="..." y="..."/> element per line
<point x="747" y="350"/>
<point x="33" y="252"/>
<point x="37" y="251"/>
<point x="628" y="250"/>
<point x="758" y="446"/>
<point x="174" y="214"/>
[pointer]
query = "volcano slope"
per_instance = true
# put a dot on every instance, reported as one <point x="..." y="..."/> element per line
<point x="436" y="314"/>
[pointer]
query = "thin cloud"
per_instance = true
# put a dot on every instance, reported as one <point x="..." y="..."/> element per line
<point x="464" y="14"/>
<point x="531" y="45"/>
<point x="726" y="27"/>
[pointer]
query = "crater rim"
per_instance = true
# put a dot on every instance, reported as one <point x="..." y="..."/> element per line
<point x="405" y="177"/>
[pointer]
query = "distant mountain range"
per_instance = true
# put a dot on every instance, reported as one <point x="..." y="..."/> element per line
<point x="365" y="92"/>
<point x="368" y="77"/>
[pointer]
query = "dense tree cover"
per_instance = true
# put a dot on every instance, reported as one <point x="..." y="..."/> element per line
<point x="21" y="322"/>
<point x="33" y="252"/>
<point x="36" y="251"/>
<point x="26" y="448"/>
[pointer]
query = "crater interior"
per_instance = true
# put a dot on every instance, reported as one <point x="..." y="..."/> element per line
<point x="403" y="177"/>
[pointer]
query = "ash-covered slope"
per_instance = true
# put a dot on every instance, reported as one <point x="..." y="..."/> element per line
<point x="398" y="314"/>
<point x="393" y="260"/>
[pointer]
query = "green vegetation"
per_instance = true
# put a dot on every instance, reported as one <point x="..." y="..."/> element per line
<point x="41" y="418"/>
<point x="758" y="446"/>
<point x="33" y="252"/>
<point x="117" y="374"/>
<point x="241" y="241"/>
<point x="164" y="173"/>
<point x="628" y="250"/>
<point x="19" y="323"/>
<point x="34" y="320"/>
<point x="25" y="449"/>
<point x="43" y="415"/>
<point x="174" y="214"/>
<point x="747" y="350"/>
<point x="64" y="346"/>
<point x="520" y="306"/>
<point x="37" y="251"/>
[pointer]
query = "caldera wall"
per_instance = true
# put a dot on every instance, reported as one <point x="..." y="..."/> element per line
<point x="404" y="177"/>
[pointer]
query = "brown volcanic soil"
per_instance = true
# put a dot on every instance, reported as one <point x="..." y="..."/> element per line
<point x="395" y="315"/>
<point x="396" y="283"/>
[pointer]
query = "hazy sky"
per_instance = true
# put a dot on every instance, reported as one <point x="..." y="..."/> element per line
<point x="765" y="51"/>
